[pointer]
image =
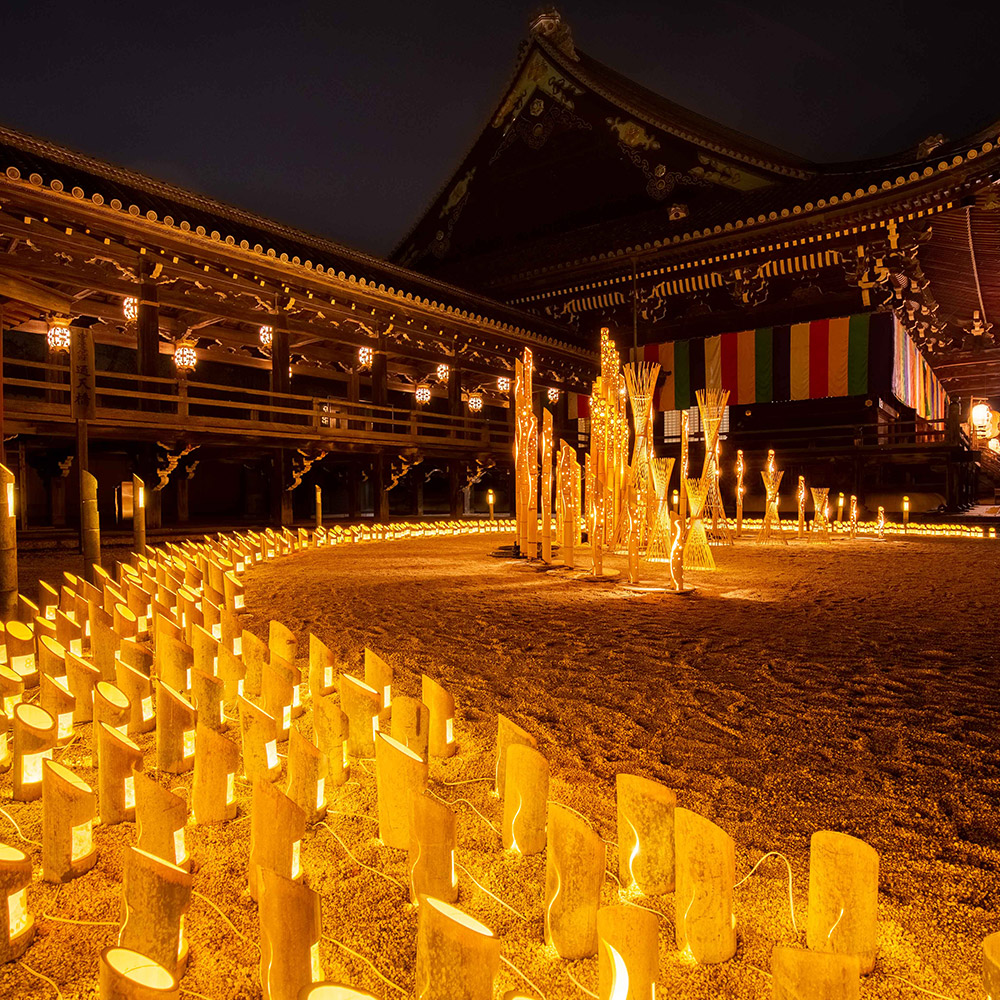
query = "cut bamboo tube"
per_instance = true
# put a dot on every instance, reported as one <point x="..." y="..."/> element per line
<point x="56" y="698"/>
<point x="173" y="660"/>
<point x="140" y="603"/>
<point x="290" y="931"/>
<point x="378" y="676"/>
<point x="400" y="775"/>
<point x="69" y="634"/>
<point x="330" y="735"/>
<point x="155" y="896"/>
<point x="628" y="962"/>
<point x="277" y="826"/>
<point x="255" y="655"/>
<point x="81" y="679"/>
<point x="136" y="656"/>
<point x="126" y="623"/>
<point x="574" y="874"/>
<point x="433" y="839"/>
<point x="360" y="703"/>
<point x="232" y="633"/>
<point x="213" y="792"/>
<point x="69" y="811"/>
<point x="457" y="957"/>
<point x="17" y="925"/>
<point x="525" y="800"/>
<point x="115" y="780"/>
<point x="126" y="975"/>
<point x="175" y="730"/>
<point x="188" y="611"/>
<point x="28" y="611"/>
<point x="206" y="694"/>
<point x="281" y="640"/>
<point x="277" y="690"/>
<point x="160" y="818"/>
<point x="323" y="668"/>
<point x="333" y="991"/>
<point x="104" y="641"/>
<point x="231" y="672"/>
<point x="211" y="614"/>
<point x="8" y="545"/>
<point x="234" y="593"/>
<point x="797" y="974"/>
<point x="21" y="653"/>
<point x="34" y="736"/>
<point x="409" y="724"/>
<point x="48" y="600"/>
<point x="307" y="768"/>
<point x="51" y="657"/>
<point x="138" y="688"/>
<point x="204" y="651"/>
<point x="508" y="734"/>
<point x="42" y="627"/>
<point x="11" y="690"/>
<point x="110" y="706"/>
<point x="645" y="834"/>
<point x="260" y="742"/>
<point x="991" y="966"/>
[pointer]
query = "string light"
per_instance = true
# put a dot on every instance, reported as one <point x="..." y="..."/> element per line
<point x="422" y="394"/>
<point x="442" y="372"/>
<point x="553" y="395"/>
<point x="185" y="358"/>
<point x="130" y="308"/>
<point x="58" y="337"/>
<point x="503" y="383"/>
<point x="475" y="402"/>
<point x="266" y="336"/>
<point x="365" y="356"/>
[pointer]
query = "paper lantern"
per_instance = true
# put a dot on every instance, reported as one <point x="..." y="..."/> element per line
<point x="260" y="741"/>
<point x="126" y="975"/>
<point x="400" y="776"/>
<point x="277" y="826"/>
<point x="160" y="817"/>
<point x="34" y="736"/>
<point x="574" y="874"/>
<point x="422" y="394"/>
<point x="322" y="668"/>
<point x="409" y="723"/>
<point x="525" y="800"/>
<point x="213" y="791"/>
<point x="361" y="704"/>
<point x="797" y="974"/>
<point x="290" y="931"/>
<point x="441" y="718"/>
<point x="175" y="730"/>
<point x="628" y="961"/>
<point x="508" y="733"/>
<point x="366" y="356"/>
<point x="843" y="897"/>
<point x="115" y="782"/>
<point x="185" y="358"/>
<point x="307" y="767"/>
<point x="138" y="689"/>
<point x="266" y="336"/>
<point x="330" y="735"/>
<point x="56" y="699"/>
<point x="645" y="834"/>
<point x="457" y="957"/>
<point x="433" y="839"/>
<point x="17" y="925"/>
<point x="503" y="383"/>
<point x="69" y="811"/>
<point x="378" y="675"/>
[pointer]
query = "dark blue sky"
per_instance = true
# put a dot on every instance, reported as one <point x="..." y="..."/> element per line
<point x="345" y="119"/>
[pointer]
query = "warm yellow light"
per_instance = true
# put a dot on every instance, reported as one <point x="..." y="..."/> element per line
<point x="266" y="335"/>
<point x="58" y="338"/>
<point x="553" y="395"/>
<point x="230" y="788"/>
<point x="271" y="753"/>
<point x="320" y="788"/>
<point x="475" y="402"/>
<point x="81" y="840"/>
<point x="141" y="501"/>
<point x="296" y="858"/>
<point x="130" y="308"/>
<point x="366" y="356"/>
<point x="179" y="845"/>
<point x="185" y="358"/>
<point x="442" y="371"/>
<point x="129" y="792"/>
<point x="147" y="708"/>
<point x="980" y="416"/>
<point x="489" y="496"/>
<point x="17" y="912"/>
<point x="422" y="394"/>
<point x="10" y="499"/>
<point x="503" y="384"/>
<point x="31" y="766"/>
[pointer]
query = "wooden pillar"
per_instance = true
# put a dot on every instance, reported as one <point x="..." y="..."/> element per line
<point x="380" y="487"/>
<point x="182" y="499"/>
<point x="281" y="498"/>
<point x="456" y="409"/>
<point x="8" y="546"/>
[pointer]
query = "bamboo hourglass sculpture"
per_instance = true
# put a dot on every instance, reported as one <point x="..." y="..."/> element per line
<point x="307" y="767"/>
<point x="115" y="781"/>
<point x="508" y="734"/>
<point x="255" y="655"/>
<point x="173" y="661"/>
<point x="361" y="704"/>
<point x="34" y="736"/>
<point x="821" y="519"/>
<point x="51" y="657"/>
<point x="628" y="953"/>
<point x="56" y="699"/>
<point x="843" y="897"/>
<point x="175" y="730"/>
<point x="277" y="826"/>
<point x="457" y="957"/>
<point x="441" y="717"/>
<point x="110" y="706"/>
<point x="126" y="975"/>
<point x="260" y="741"/>
<point x="231" y="673"/>
<point x="277" y="689"/>
<point x="206" y="695"/>
<point x="322" y="668"/>
<point x="433" y="839"/>
<point x="160" y="817"/>
<point x="705" y="922"/>
<point x="409" y="724"/>
<point x="81" y="679"/>
<point x="574" y="874"/>
<point x="69" y="811"/>
<point x="138" y="688"/>
<point x="798" y="974"/>
<point x="213" y="792"/>
<point x="155" y="896"/>
<point x="400" y="776"/>
<point x="290" y="931"/>
<point x="378" y="675"/>
<point x="330" y="735"/>
<point x="771" y="529"/>
<point x="645" y="835"/>
<point x="17" y="925"/>
<point x="525" y="800"/>
<point x="21" y="653"/>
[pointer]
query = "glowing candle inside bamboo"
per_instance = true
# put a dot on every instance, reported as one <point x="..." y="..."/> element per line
<point x="233" y="590"/>
<point x="115" y="781"/>
<point x="378" y="675"/>
<point x="323" y="668"/>
<point x="441" y="718"/>
<point x="21" y="653"/>
<point x="160" y="818"/>
<point x="277" y="826"/>
<point x="69" y="811"/>
<point x="410" y="721"/>
<point x="645" y="835"/>
<point x="206" y="695"/>
<point x="17" y="925"/>
<point x="508" y="734"/>
<point x="138" y="689"/>
<point x="34" y="736"/>
<point x="260" y="741"/>
<point x="56" y="699"/>
<point x="361" y="704"/>
<point x="290" y="931"/>
<point x="213" y="791"/>
<point x="457" y="957"/>
<point x="175" y="730"/>
<point x="126" y="624"/>
<point x="433" y="839"/>
<point x="127" y="975"/>
<point x="400" y="775"/>
<point x="307" y="769"/>
<point x="628" y="953"/>
<point x="525" y="800"/>
<point x="104" y="641"/>
<point x="797" y="974"/>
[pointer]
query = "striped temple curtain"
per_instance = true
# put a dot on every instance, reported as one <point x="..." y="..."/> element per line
<point x="913" y="381"/>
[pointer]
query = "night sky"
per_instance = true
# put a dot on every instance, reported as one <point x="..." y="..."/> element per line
<point x="346" y="119"/>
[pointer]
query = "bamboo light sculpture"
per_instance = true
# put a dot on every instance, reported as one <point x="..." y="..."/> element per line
<point x="138" y="514"/>
<point x="51" y="656"/>
<point x="255" y="655"/>
<point x="410" y="723"/>
<point x="508" y="733"/>
<point x="173" y="660"/>
<point x="697" y="554"/>
<point x="880" y="524"/>
<point x="798" y="974"/>
<point x="213" y="790"/>
<point x="231" y="673"/>
<point x="126" y="624"/>
<point x="260" y="741"/>
<point x="569" y="505"/>
<point x="545" y="448"/>
<point x="57" y="700"/>
<point x="658" y="547"/>
<point x="277" y="690"/>
<point x="712" y="408"/>
<point x="34" y="736"/>
<point x="155" y="896"/>
<point x="160" y="817"/>
<point x="704" y="919"/>
<point x="378" y="675"/>
<point x="206" y="694"/>
<point x="771" y="529"/>
<point x="991" y="966"/>
<point x="17" y="925"/>
<point x="90" y="524"/>
<point x="854" y="516"/>
<point x="175" y="730"/>
<point x="277" y="825"/>
<point x="8" y="546"/>
<point x="138" y="689"/>
<point x="307" y="769"/>
<point x="843" y="897"/>
<point x="645" y="834"/>
<point x="104" y="641"/>
<point x="204" y="651"/>
<point x="330" y="735"/>
<point x="457" y="957"/>
<point x="20" y="642"/>
<point x="441" y="717"/>
<point x="290" y="931"/>
<point x="525" y="800"/>
<point x="281" y="640"/>
<point x="433" y="839"/>
<point x="628" y="953"/>
<point x="361" y="704"/>
<point x="574" y="874"/>
<point x="127" y="975"/>
<point x="821" y="519"/>
<point x="11" y="689"/>
<point x="115" y="780"/>
<point x="800" y="497"/>
<point x="740" y="491"/>
<point x="322" y="667"/>
<point x="400" y="775"/>
<point x="69" y="810"/>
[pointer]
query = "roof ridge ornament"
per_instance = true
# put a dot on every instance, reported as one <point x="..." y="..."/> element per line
<point x="548" y="24"/>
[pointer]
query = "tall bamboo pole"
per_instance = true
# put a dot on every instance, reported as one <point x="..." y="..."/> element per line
<point x="139" y="515"/>
<point x="90" y="525"/>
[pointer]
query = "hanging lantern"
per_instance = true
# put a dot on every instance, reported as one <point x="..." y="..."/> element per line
<point x="422" y="394"/>
<point x="553" y="394"/>
<point x="58" y="337"/>
<point x="365" y="357"/>
<point x="266" y="336"/>
<point x="185" y="358"/>
<point x="130" y="308"/>
<point x="442" y="372"/>
<point x="503" y="384"/>
<point x="475" y="402"/>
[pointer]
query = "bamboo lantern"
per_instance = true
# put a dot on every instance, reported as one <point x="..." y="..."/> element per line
<point x="56" y="699"/>
<point x="231" y="637"/>
<point x="433" y="839"/>
<point x="126" y="975"/>
<point x="277" y="690"/>
<point x="48" y="601"/>
<point x="138" y="688"/>
<point x="188" y="611"/>
<point x="441" y="709"/>
<point x="17" y="925"/>
<point x="628" y="962"/>
<point x="231" y="672"/>
<point x="104" y="641"/>
<point x="798" y="974"/>
<point x="204" y="651"/>
<point x="69" y="811"/>
<point x="322" y="668"/>
<point x="330" y="735"/>
<point x="115" y="780"/>
<point x="281" y="640"/>
<point x="307" y="768"/>
<point x="42" y="627"/>
<point x="843" y="897"/>
<point x="290" y="930"/>
<point x="173" y="662"/>
<point x="361" y="705"/>
<point x="508" y="733"/>
<point x="457" y="957"/>
<point x="400" y="775"/>
<point x="165" y="624"/>
<point x="138" y="514"/>
<point x="255" y="655"/>
<point x="211" y="614"/>
<point x="175" y="730"/>
<point x="160" y="817"/>
<point x="574" y="874"/>
<point x="34" y="737"/>
<point x="277" y="826"/>
<point x="213" y="792"/>
<point x="234" y="592"/>
<point x="991" y="966"/>
<point x="110" y="706"/>
<point x="68" y="633"/>
<point x="645" y="835"/>
<point x="409" y="723"/>
<point x="11" y="690"/>
<point x="525" y="802"/>
<point x="260" y="741"/>
<point x="8" y="545"/>
<point x="126" y="623"/>
<point x="705" y="858"/>
<point x="206" y="693"/>
<point x="21" y="653"/>
<point x="51" y="657"/>
<point x="82" y="678"/>
<point x="378" y="675"/>
<point x="333" y="991"/>
<point x="155" y="896"/>
<point x="136" y="656"/>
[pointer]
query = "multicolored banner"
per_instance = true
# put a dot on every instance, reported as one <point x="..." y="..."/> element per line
<point x="913" y="381"/>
